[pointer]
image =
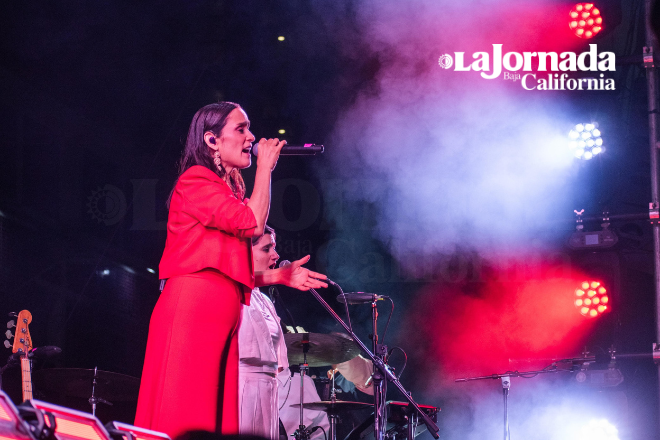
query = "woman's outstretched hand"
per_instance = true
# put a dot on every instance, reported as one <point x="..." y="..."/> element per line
<point x="298" y="277"/>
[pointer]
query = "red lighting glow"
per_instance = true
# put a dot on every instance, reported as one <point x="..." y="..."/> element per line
<point x="515" y="315"/>
<point x="594" y="304"/>
<point x="589" y="23"/>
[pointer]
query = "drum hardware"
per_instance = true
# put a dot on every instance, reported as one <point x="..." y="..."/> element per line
<point x="78" y="382"/>
<point x="334" y="408"/>
<point x="302" y="433"/>
<point x="322" y="349"/>
<point x="94" y="400"/>
<point x="382" y="373"/>
<point x="401" y="422"/>
<point x="104" y="386"/>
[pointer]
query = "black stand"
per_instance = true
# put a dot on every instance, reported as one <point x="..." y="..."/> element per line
<point x="381" y="372"/>
<point x="95" y="400"/>
<point x="380" y="384"/>
<point x="303" y="433"/>
<point x="506" y="384"/>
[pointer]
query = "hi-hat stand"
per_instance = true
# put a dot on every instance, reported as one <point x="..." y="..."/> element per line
<point x="303" y="433"/>
<point x="382" y="374"/>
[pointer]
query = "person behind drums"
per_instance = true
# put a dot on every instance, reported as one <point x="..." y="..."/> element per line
<point x="354" y="374"/>
<point x="263" y="366"/>
<point x="190" y="374"/>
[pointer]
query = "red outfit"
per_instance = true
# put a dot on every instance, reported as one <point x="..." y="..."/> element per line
<point x="190" y="374"/>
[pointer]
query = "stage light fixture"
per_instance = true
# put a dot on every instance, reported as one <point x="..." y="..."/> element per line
<point x="591" y="297"/>
<point x="69" y="423"/>
<point x="585" y="141"/>
<point x="11" y="425"/>
<point x="280" y="38"/>
<point x="135" y="433"/>
<point x="585" y="20"/>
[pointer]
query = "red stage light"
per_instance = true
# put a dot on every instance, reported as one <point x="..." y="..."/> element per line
<point x="590" y="22"/>
<point x="594" y="304"/>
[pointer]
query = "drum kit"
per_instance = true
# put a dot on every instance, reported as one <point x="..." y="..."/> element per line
<point x="319" y="350"/>
<point x="389" y="420"/>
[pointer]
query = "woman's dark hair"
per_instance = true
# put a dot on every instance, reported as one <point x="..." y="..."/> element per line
<point x="267" y="230"/>
<point x="213" y="118"/>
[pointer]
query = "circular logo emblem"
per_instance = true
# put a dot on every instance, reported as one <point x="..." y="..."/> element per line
<point x="107" y="205"/>
<point x="445" y="61"/>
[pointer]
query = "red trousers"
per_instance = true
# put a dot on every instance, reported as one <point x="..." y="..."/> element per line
<point x="190" y="374"/>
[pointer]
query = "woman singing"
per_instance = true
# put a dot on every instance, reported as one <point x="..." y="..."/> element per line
<point x="190" y="373"/>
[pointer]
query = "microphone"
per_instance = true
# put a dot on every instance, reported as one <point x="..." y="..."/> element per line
<point x="44" y="352"/>
<point x="294" y="150"/>
<point x="359" y="298"/>
<point x="284" y="263"/>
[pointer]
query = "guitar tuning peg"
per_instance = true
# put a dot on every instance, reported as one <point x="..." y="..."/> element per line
<point x="11" y="324"/>
<point x="13" y="315"/>
<point x="7" y="344"/>
<point x="8" y="334"/>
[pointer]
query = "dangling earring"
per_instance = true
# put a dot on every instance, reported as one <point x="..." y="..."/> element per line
<point x="217" y="161"/>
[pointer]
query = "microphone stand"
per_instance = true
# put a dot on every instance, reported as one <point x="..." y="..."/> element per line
<point x="575" y="362"/>
<point x="381" y="372"/>
<point x="380" y="385"/>
<point x="506" y="384"/>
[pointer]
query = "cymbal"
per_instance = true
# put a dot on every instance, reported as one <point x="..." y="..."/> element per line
<point x="336" y="406"/>
<point x="324" y="349"/>
<point x="77" y="382"/>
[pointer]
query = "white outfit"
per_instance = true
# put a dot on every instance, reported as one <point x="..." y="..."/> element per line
<point x="262" y="354"/>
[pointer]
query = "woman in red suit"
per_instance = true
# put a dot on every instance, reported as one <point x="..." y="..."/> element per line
<point x="190" y="373"/>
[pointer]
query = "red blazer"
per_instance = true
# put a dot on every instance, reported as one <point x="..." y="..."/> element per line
<point x="208" y="227"/>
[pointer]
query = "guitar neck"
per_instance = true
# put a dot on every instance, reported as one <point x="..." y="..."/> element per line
<point x="26" y="377"/>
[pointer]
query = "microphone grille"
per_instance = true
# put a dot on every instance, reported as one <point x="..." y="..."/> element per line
<point x="284" y="263"/>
